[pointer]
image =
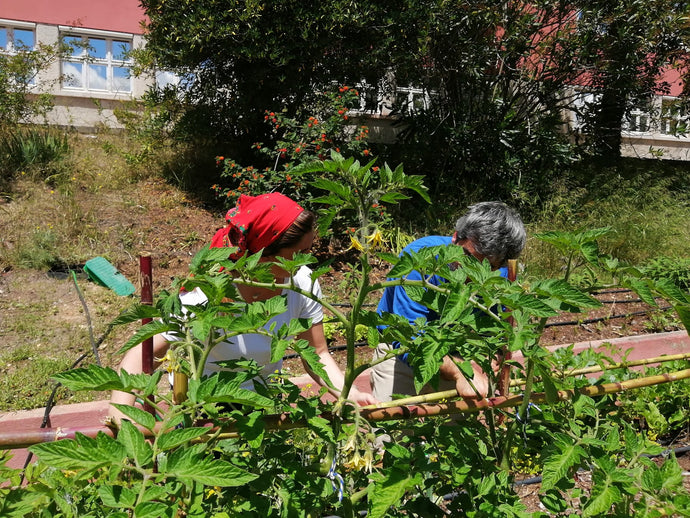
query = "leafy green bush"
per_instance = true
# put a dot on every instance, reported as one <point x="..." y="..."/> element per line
<point x="675" y="269"/>
<point x="320" y="129"/>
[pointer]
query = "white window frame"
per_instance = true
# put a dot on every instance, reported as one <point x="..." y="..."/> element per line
<point x="83" y="80"/>
<point x="666" y="120"/>
<point x="638" y="121"/>
<point x="10" y="26"/>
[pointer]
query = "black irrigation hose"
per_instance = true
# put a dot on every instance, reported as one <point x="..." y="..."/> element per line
<point x="601" y="319"/>
<point x="95" y="344"/>
<point x="88" y="318"/>
<point x="550" y="324"/>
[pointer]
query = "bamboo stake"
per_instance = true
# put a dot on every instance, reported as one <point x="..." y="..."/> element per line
<point x="146" y="273"/>
<point x="277" y="422"/>
<point x="620" y="365"/>
<point x="506" y="356"/>
<point x="452" y="394"/>
<point x="22" y="439"/>
<point x="474" y="406"/>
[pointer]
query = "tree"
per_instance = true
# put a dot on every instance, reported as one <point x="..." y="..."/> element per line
<point x="494" y="100"/>
<point x="621" y="50"/>
<point x="496" y="77"/>
<point x="244" y="57"/>
<point x="18" y="74"/>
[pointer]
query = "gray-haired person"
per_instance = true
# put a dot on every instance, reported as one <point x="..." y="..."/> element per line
<point x="488" y="230"/>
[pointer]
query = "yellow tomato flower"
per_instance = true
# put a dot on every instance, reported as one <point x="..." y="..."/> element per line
<point x="368" y="460"/>
<point x="354" y="243"/>
<point x="355" y="463"/>
<point x="375" y="239"/>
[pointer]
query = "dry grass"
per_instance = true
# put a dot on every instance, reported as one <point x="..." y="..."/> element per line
<point x="98" y="206"/>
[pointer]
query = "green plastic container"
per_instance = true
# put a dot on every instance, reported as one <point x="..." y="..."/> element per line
<point x="102" y="272"/>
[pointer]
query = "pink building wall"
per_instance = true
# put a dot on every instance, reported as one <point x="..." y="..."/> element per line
<point x="110" y="15"/>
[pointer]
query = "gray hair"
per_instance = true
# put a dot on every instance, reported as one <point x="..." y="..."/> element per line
<point x="495" y="229"/>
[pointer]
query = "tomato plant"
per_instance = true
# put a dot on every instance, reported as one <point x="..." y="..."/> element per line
<point x="223" y="450"/>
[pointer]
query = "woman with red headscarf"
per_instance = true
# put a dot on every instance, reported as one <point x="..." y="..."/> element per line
<point x="279" y="227"/>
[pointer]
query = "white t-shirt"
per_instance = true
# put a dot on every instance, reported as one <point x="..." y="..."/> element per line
<point x="254" y="346"/>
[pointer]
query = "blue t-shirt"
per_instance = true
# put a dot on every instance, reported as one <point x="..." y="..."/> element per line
<point x="396" y="301"/>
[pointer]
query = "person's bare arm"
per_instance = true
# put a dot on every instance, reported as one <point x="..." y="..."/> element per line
<point x="131" y="363"/>
<point x="317" y="339"/>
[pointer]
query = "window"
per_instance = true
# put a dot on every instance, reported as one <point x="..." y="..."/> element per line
<point x="13" y="39"/>
<point x="97" y="63"/>
<point x="582" y="102"/>
<point x="674" y="118"/>
<point x="638" y="121"/>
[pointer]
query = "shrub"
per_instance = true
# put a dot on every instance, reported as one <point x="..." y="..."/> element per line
<point x="309" y="136"/>
<point x="39" y="151"/>
<point x="675" y="269"/>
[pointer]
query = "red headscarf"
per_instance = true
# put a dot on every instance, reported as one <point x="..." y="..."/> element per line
<point x="256" y="222"/>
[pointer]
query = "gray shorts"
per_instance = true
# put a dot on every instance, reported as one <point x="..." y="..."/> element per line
<point x="393" y="376"/>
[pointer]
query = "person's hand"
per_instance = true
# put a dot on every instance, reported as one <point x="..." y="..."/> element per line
<point x="480" y="382"/>
<point x="115" y="416"/>
<point x="362" y="398"/>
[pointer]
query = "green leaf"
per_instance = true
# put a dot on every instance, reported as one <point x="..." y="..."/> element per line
<point x="550" y="389"/>
<point x="187" y="465"/>
<point x="157" y="492"/>
<point x="373" y="336"/>
<point x="239" y="396"/>
<point x="563" y="457"/>
<point x="136" y="446"/>
<point x="671" y="474"/>
<point x="387" y="257"/>
<point x="388" y="492"/>
<point x="456" y="304"/>
<point x="252" y="428"/>
<point x="179" y="436"/>
<point x="652" y="479"/>
<point x="323" y="427"/>
<point x="117" y="496"/>
<point x="311" y="358"/>
<point x="137" y="415"/>
<point x="643" y="290"/>
<point x="335" y="188"/>
<point x="393" y="197"/>
<point x="155" y="510"/>
<point x="604" y="494"/>
<point x="529" y="304"/>
<point x="141" y="381"/>
<point x="427" y="367"/>
<point x="90" y="378"/>
<point x="553" y="501"/>
<point x="684" y="316"/>
<point x="564" y="292"/>
<point x="136" y="313"/>
<point x="671" y="292"/>
<point x="331" y="199"/>
<point x="145" y="332"/>
<point x="80" y="454"/>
